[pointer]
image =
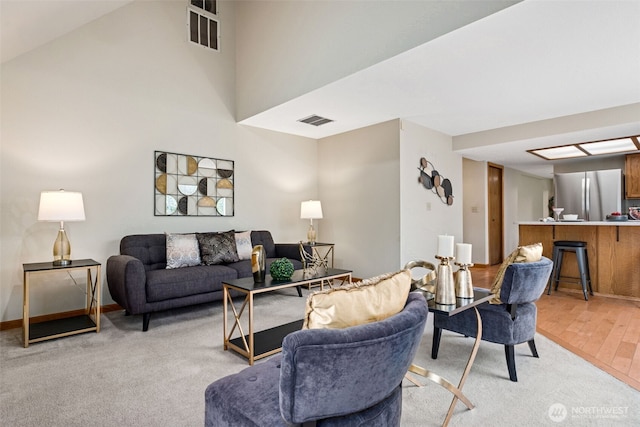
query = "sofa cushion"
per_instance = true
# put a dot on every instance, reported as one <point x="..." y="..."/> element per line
<point x="216" y="248"/>
<point x="179" y="282"/>
<point x="182" y="250"/>
<point x="243" y="245"/>
<point x="264" y="238"/>
<point x="362" y="302"/>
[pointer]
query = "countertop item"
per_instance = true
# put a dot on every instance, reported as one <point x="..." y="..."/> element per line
<point x="617" y="217"/>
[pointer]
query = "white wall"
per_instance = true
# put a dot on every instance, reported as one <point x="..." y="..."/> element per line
<point x="358" y="184"/>
<point x="525" y="199"/>
<point x="532" y="204"/>
<point x="86" y="112"/>
<point x="476" y="209"/>
<point x="375" y="210"/>
<point x="423" y="215"/>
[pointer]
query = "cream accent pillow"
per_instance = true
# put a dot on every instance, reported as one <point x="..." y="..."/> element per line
<point x="243" y="245"/>
<point x="362" y="302"/>
<point x="529" y="253"/>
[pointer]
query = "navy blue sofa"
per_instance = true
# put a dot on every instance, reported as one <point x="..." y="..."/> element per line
<point x="139" y="281"/>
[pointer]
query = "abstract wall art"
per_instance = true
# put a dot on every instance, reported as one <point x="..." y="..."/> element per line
<point x="187" y="185"/>
<point x="431" y="179"/>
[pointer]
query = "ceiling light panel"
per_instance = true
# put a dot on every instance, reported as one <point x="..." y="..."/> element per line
<point x="555" y="153"/>
<point x="609" y="147"/>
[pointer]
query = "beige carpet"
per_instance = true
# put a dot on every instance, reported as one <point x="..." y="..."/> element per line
<point x="124" y="377"/>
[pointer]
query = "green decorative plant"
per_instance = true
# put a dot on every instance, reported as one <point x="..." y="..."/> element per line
<point x="281" y="269"/>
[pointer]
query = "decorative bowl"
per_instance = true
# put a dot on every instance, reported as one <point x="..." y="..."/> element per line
<point x="570" y="217"/>
<point x="634" y="212"/>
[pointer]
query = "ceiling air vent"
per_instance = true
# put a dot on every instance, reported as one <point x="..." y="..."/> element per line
<point x="315" y="120"/>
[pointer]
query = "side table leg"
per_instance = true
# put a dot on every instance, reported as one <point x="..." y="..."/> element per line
<point x="97" y="292"/>
<point x="472" y="357"/>
<point x="225" y="295"/>
<point x="251" y="340"/>
<point x="25" y="309"/>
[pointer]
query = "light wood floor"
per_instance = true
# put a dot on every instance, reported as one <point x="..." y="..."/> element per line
<point x="604" y="331"/>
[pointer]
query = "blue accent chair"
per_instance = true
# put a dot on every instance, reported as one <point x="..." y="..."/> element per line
<point x="325" y="377"/>
<point x="510" y="323"/>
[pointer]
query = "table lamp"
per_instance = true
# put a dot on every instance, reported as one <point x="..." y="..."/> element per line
<point x="61" y="206"/>
<point x="311" y="210"/>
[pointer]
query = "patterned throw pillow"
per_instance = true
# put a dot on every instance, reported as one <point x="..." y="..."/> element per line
<point x="363" y="302"/>
<point x="182" y="250"/>
<point x="216" y="248"/>
<point x="243" y="245"/>
<point x="529" y="253"/>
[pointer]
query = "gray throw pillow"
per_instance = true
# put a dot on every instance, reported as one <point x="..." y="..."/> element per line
<point x="216" y="248"/>
<point x="182" y="250"/>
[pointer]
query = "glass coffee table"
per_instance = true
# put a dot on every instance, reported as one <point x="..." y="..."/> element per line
<point x="256" y="345"/>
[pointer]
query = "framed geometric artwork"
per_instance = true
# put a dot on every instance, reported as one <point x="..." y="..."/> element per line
<point x="187" y="185"/>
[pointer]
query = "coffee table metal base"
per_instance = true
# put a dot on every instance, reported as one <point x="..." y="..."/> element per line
<point x="256" y="345"/>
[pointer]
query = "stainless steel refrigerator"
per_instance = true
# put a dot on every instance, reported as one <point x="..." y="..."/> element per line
<point x="592" y="195"/>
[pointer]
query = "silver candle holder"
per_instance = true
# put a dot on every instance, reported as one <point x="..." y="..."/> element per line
<point x="464" y="285"/>
<point x="445" y="287"/>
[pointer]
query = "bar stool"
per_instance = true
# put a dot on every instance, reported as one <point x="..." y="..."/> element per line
<point x="580" y="249"/>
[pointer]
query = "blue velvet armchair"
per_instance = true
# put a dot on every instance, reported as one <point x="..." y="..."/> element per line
<point x="325" y="377"/>
<point x="510" y="323"/>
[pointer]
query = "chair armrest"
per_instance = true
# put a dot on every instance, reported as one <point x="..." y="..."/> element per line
<point x="127" y="279"/>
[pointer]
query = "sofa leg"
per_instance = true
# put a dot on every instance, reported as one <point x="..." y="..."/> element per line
<point x="145" y="321"/>
<point x="435" y="345"/>
<point x="532" y="346"/>
<point x="511" y="362"/>
<point x="299" y="288"/>
<point x="126" y="313"/>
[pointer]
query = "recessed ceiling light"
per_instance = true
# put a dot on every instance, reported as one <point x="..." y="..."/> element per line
<point x="609" y="147"/>
<point x="555" y="153"/>
<point x="595" y="148"/>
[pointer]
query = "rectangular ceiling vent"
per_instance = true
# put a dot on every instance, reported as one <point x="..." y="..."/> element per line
<point x="315" y="120"/>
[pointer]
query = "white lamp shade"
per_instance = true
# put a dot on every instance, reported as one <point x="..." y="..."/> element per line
<point x="311" y="209"/>
<point x="61" y="206"/>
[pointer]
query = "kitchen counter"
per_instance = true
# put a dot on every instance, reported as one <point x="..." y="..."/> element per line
<point x="607" y="223"/>
<point x="612" y="247"/>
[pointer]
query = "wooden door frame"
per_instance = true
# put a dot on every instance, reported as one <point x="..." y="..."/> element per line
<point x="501" y="212"/>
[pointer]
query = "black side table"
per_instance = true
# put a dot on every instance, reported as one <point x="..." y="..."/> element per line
<point x="89" y="321"/>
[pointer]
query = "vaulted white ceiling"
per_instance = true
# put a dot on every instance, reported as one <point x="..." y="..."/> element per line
<point x="512" y="71"/>
<point x="28" y="24"/>
<point x="495" y="85"/>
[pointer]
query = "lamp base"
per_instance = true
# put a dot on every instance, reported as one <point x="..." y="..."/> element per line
<point x="61" y="248"/>
<point x="311" y="235"/>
